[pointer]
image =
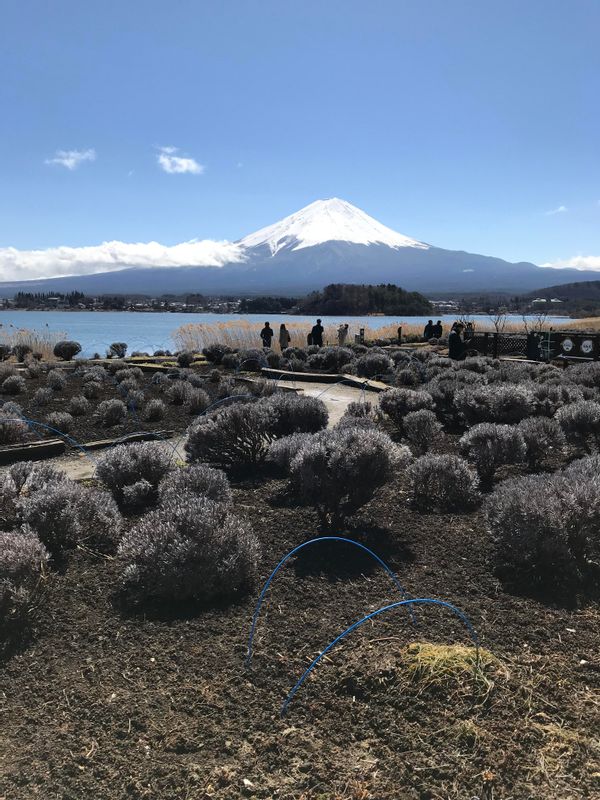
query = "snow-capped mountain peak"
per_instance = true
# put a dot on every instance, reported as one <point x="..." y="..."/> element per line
<point x="327" y="221"/>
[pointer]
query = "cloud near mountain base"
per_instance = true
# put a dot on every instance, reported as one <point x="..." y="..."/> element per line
<point x="577" y="262"/>
<point x="56" y="262"/>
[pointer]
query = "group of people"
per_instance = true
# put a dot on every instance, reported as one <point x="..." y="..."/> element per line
<point x="432" y="331"/>
<point x="314" y="337"/>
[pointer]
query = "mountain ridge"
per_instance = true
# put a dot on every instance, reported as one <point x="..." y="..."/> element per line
<point x="328" y="241"/>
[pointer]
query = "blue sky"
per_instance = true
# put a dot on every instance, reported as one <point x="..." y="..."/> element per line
<point x="462" y="124"/>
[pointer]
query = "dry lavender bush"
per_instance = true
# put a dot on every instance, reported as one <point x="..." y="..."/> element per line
<point x="546" y="531"/>
<point x="337" y="471"/>
<point x="443" y="483"/>
<point x="240" y="435"/>
<point x="189" y="549"/>
<point x="61" y="512"/>
<point x="491" y="446"/>
<point x="132" y="472"/>
<point x="22" y="559"/>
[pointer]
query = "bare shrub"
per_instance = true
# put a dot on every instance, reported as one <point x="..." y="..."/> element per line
<point x="56" y="380"/>
<point x="331" y="358"/>
<point x="545" y="531"/>
<point x="296" y="414"/>
<point x="12" y="429"/>
<point x="236" y="436"/>
<point x="230" y="361"/>
<point x="197" y="480"/>
<point x="443" y="483"/>
<point x="542" y="437"/>
<point x="117" y="350"/>
<point x="60" y="421"/>
<point x="444" y="386"/>
<point x="126" y="465"/>
<point x="160" y="379"/>
<point x="215" y="352"/>
<point x="195" y="380"/>
<point x="110" y="412"/>
<point x="7" y="371"/>
<point x="549" y="397"/>
<point x="65" y="514"/>
<point x="91" y="390"/>
<point x="22" y="559"/>
<point x="129" y="374"/>
<point x="407" y="377"/>
<point x="14" y="384"/>
<point x="580" y="422"/>
<point x="178" y="393"/>
<point x="337" y="471"/>
<point x="421" y="428"/>
<point x="491" y="446"/>
<point x="34" y="370"/>
<point x="20" y="351"/>
<point x="283" y="451"/>
<point x="397" y="403"/>
<point x="496" y="403"/>
<point x="97" y="374"/>
<point x="188" y="549"/>
<point x="43" y="396"/>
<point x="185" y="359"/>
<point x="371" y="364"/>
<point x="297" y="353"/>
<point x="155" y="410"/>
<point x="197" y="401"/>
<point x="66" y="350"/>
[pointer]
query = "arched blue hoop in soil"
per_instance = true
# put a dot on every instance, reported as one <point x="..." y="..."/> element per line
<point x="414" y="601"/>
<point x="287" y="557"/>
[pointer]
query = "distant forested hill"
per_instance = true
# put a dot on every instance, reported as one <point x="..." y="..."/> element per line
<point x="358" y="299"/>
<point x="581" y="298"/>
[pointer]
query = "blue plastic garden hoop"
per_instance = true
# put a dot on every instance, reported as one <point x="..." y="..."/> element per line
<point x="293" y="552"/>
<point x="416" y="601"/>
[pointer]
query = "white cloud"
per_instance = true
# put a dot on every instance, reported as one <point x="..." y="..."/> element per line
<point x="578" y="262"/>
<point x="71" y="159"/>
<point x="177" y="165"/>
<point x="22" y="265"/>
<point x="558" y="210"/>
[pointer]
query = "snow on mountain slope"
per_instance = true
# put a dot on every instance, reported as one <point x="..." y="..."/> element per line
<point x="326" y="221"/>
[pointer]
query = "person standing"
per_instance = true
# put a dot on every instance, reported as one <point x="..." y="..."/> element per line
<point x="342" y="334"/>
<point x="456" y="346"/>
<point x="428" y="331"/>
<point x="437" y="330"/>
<point x="284" y="337"/>
<point x="317" y="334"/>
<point x="266" y="335"/>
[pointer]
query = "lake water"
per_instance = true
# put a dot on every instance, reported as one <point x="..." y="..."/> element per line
<point x="95" y="330"/>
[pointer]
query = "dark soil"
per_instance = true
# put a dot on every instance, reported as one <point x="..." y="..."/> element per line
<point x="111" y="705"/>
<point x="89" y="427"/>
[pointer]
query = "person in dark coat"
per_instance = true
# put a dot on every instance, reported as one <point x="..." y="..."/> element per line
<point x="437" y="330"/>
<point x="317" y="334"/>
<point x="428" y="331"/>
<point x="266" y="335"/>
<point x="456" y="346"/>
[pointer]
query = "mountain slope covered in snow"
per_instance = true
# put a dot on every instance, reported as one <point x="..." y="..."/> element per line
<point x="332" y="220"/>
<point x="328" y="241"/>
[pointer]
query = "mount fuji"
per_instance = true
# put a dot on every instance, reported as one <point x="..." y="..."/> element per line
<point x="328" y="241"/>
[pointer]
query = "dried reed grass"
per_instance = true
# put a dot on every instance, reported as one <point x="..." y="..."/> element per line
<point x="40" y="341"/>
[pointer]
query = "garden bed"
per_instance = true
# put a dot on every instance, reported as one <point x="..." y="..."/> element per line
<point x="117" y="705"/>
<point x="113" y="699"/>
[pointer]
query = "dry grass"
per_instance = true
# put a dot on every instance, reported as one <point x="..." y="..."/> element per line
<point x="40" y="341"/>
<point x="437" y="664"/>
<point x="242" y="334"/>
